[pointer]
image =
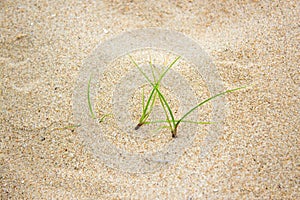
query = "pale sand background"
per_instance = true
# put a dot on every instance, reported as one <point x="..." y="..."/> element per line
<point x="42" y="48"/>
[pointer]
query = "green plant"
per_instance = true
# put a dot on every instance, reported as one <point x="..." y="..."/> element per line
<point x="147" y="109"/>
<point x="170" y="119"/>
<point x="89" y="99"/>
<point x="90" y="104"/>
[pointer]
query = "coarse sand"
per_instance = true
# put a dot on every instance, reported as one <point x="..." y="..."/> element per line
<point x="44" y="45"/>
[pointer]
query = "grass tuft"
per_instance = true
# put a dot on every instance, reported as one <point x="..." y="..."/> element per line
<point x="147" y="109"/>
<point x="170" y="120"/>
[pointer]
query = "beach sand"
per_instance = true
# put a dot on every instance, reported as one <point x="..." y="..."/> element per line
<point x="43" y="48"/>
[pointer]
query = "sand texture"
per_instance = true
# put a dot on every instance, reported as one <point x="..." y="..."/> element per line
<point x="46" y="154"/>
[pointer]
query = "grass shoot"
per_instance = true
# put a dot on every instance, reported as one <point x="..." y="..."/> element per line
<point x="147" y="109"/>
<point x="90" y="104"/>
<point x="170" y="120"/>
<point x="89" y="99"/>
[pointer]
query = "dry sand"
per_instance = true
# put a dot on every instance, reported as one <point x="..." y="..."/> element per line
<point x="43" y="45"/>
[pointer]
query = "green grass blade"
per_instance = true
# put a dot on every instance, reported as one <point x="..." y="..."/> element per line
<point x="103" y="117"/>
<point x="163" y="101"/>
<point x="145" y="108"/>
<point x="152" y="103"/>
<point x="143" y="100"/>
<point x="168" y="107"/>
<point x="152" y="71"/>
<point x="170" y="66"/>
<point x="192" y="122"/>
<point x="139" y="68"/>
<point x="89" y="99"/>
<point x="207" y="100"/>
<point x="185" y="121"/>
<point x="166" y="113"/>
<point x="145" y="112"/>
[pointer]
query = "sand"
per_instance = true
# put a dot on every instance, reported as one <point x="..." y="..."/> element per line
<point x="44" y="47"/>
